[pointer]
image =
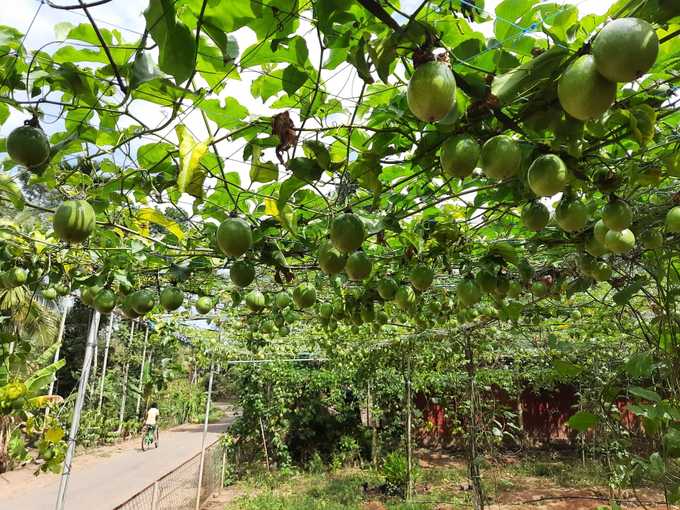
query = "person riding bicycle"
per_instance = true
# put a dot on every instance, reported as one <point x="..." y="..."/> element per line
<point x="152" y="416"/>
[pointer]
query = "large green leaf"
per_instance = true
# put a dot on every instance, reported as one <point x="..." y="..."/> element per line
<point x="40" y="379"/>
<point x="191" y="177"/>
<point x="582" y="421"/>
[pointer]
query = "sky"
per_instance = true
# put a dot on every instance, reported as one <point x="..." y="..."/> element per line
<point x="126" y="16"/>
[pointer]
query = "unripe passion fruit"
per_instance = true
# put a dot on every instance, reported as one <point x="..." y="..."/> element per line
<point x="204" y="304"/>
<point x="171" y="298"/>
<point x="142" y="301"/>
<point x="651" y="239"/>
<point x="501" y="157"/>
<point x="617" y="215"/>
<point x="619" y="242"/>
<point x="431" y="91"/>
<point x="571" y="215"/>
<point x="535" y="216"/>
<point x="74" y="221"/>
<point x="234" y="237"/>
<point x="387" y="288"/>
<point x="358" y="266"/>
<point x="547" y="175"/>
<point x="421" y="277"/>
<point x="28" y="146"/>
<point x="583" y="92"/>
<point x="625" y="49"/>
<point x="459" y="156"/>
<point x="304" y="295"/>
<point x="468" y="292"/>
<point x="242" y="273"/>
<point x="347" y="232"/>
<point x="331" y="260"/>
<point x="105" y="301"/>
<point x="673" y="220"/>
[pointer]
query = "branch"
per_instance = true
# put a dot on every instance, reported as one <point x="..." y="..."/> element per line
<point x="105" y="47"/>
<point x="74" y="7"/>
<point x="379" y="12"/>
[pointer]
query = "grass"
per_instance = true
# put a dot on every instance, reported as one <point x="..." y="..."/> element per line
<point x="446" y="483"/>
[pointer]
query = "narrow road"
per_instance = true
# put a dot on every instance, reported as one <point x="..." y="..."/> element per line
<point x="107" y="476"/>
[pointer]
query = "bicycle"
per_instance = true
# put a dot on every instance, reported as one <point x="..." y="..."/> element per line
<point x="149" y="437"/>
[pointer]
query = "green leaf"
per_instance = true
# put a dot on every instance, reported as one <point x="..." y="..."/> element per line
<point x="143" y="69"/>
<point x="262" y="171"/>
<point x="177" y="55"/>
<point x="305" y="169"/>
<point x="317" y="150"/>
<point x="228" y="116"/>
<point x="639" y="365"/>
<point x="656" y="464"/>
<point x="291" y="51"/>
<point x="190" y="178"/>
<point x="567" y="368"/>
<point x="227" y="43"/>
<point x="642" y="123"/>
<point x="644" y="393"/>
<point x="582" y="421"/>
<point x="10" y="190"/>
<point x="41" y="378"/>
<point x="624" y="295"/>
<point x="292" y="79"/>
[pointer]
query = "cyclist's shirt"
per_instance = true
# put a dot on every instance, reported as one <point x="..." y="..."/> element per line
<point x="152" y="416"/>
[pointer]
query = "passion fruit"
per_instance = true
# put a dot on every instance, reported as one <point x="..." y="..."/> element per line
<point x="74" y="221"/>
<point x="234" y="237"/>
<point x="571" y="215"/>
<point x="431" y="91"/>
<point x="619" y="242"/>
<point x="625" y="49"/>
<point x="405" y="298"/>
<point x="387" y="288"/>
<point x="459" y="156"/>
<point x="304" y="295"/>
<point x="595" y="247"/>
<point x="347" y="232"/>
<point x="652" y="239"/>
<point x="600" y="231"/>
<point x="142" y="301"/>
<point x="331" y="260"/>
<point x="28" y="146"/>
<point x="171" y="298"/>
<point x="204" y="304"/>
<point x="547" y="175"/>
<point x="617" y="215"/>
<point x="535" y="216"/>
<point x="501" y="157"/>
<point x="242" y="273"/>
<point x="105" y="301"/>
<point x="468" y="292"/>
<point x="583" y="92"/>
<point x="49" y="293"/>
<point x="358" y="266"/>
<point x="673" y="220"/>
<point x="421" y="277"/>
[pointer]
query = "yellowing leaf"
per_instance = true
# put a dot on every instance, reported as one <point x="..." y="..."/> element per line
<point x="156" y="217"/>
<point x="270" y="207"/>
<point x="54" y="435"/>
<point x="190" y="178"/>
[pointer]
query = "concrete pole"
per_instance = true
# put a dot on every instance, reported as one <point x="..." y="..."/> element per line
<point x="60" y="337"/>
<point x="141" y="371"/>
<point x="109" y="331"/>
<point x="80" y="400"/>
<point x="121" y="414"/>
<point x="205" y="436"/>
<point x="409" y="443"/>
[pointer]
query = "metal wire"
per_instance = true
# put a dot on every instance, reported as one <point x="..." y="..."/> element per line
<point x="177" y="489"/>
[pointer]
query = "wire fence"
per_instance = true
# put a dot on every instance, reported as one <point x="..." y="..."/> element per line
<point x="177" y="490"/>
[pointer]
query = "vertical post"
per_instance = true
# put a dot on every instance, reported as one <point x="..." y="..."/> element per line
<point x="264" y="443"/>
<point x="205" y="436"/>
<point x="109" y="331"/>
<point x="154" y="496"/>
<point x="80" y="400"/>
<point x="121" y="414"/>
<point x="60" y="337"/>
<point x="473" y="464"/>
<point x="224" y="467"/>
<point x="141" y="371"/>
<point x="409" y="445"/>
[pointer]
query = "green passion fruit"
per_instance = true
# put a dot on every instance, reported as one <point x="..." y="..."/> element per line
<point x="501" y="157"/>
<point x="49" y="293"/>
<point x="142" y="301"/>
<point x="282" y="300"/>
<point x="347" y="232"/>
<point x="405" y="298"/>
<point x="242" y="273"/>
<point x="234" y="237"/>
<point x="652" y="239"/>
<point x="331" y="260"/>
<point x="105" y="301"/>
<point x="74" y="221"/>
<point x="583" y="92"/>
<point x="421" y="277"/>
<point x="431" y="91"/>
<point x="87" y="294"/>
<point x="486" y="280"/>
<point x="535" y="216"/>
<point x="358" y="266"/>
<point x="625" y="49"/>
<point x="387" y="288"/>
<point x="28" y="146"/>
<point x="304" y="295"/>
<point x="595" y="247"/>
<point x="600" y="231"/>
<point x="617" y="215"/>
<point x="255" y="300"/>
<point x="547" y="175"/>
<point x="171" y="298"/>
<point x="619" y="242"/>
<point x="325" y="310"/>
<point x="571" y="215"/>
<point x="601" y="272"/>
<point x="459" y="156"/>
<point x="204" y="304"/>
<point x="673" y="220"/>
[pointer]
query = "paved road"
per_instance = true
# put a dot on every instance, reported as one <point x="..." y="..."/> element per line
<point x="107" y="477"/>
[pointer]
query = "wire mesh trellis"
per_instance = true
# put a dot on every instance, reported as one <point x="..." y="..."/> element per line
<point x="176" y="490"/>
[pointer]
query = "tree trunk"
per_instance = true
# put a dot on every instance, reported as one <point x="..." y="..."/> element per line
<point x="473" y="465"/>
<point x="5" y="433"/>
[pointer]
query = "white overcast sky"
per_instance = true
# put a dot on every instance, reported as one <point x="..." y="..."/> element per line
<point x="126" y="16"/>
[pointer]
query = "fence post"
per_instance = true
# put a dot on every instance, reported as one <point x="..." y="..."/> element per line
<point x="224" y="466"/>
<point x="141" y="371"/>
<point x="66" y="305"/>
<point x="154" y="496"/>
<point x="205" y="435"/>
<point x="121" y="415"/>
<point x="109" y="330"/>
<point x="80" y="400"/>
